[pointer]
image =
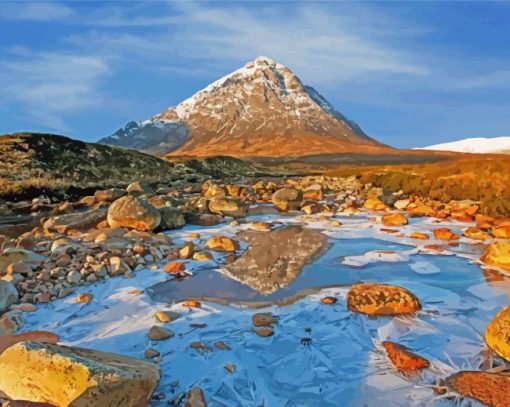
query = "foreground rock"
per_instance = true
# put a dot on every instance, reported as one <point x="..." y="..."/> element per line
<point x="222" y="244"/>
<point x="403" y="359"/>
<point x="382" y="300"/>
<point x="132" y="212"/>
<point x="489" y="388"/>
<point x="497" y="334"/>
<point x="196" y="398"/>
<point x="76" y="220"/>
<point x="394" y="219"/>
<point x="228" y="206"/>
<point x="274" y="259"/>
<point x="498" y="254"/>
<point x="287" y="199"/>
<point x="8" y="295"/>
<point x="62" y="375"/>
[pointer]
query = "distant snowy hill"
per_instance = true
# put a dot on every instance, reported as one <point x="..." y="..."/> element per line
<point x="480" y="145"/>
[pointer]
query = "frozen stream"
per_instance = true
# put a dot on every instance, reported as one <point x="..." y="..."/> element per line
<point x="343" y="365"/>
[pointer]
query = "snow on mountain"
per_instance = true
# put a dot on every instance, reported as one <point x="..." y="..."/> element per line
<point x="479" y="145"/>
<point x="261" y="109"/>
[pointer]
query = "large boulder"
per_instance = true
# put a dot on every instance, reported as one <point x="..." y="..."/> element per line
<point x="132" y="212"/>
<point x="14" y="255"/>
<point x="76" y="220"/>
<point x="63" y="376"/>
<point x="8" y="295"/>
<point x="498" y="254"/>
<point x="222" y="244"/>
<point x="171" y="218"/>
<point x="109" y="195"/>
<point x="382" y="300"/>
<point x="287" y="199"/>
<point x="394" y="219"/>
<point x="228" y="206"/>
<point x="375" y="204"/>
<point x="497" y="334"/>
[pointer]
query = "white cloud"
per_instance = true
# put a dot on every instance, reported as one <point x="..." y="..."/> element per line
<point x="34" y="11"/>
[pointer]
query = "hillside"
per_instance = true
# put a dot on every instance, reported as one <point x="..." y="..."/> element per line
<point x="259" y="110"/>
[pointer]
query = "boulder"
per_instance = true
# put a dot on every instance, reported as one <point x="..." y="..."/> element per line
<point x="109" y="195"/>
<point x="222" y="244"/>
<point x="489" y="388"/>
<point x="497" y="334"/>
<point x="401" y="204"/>
<point x="421" y="210"/>
<point x="14" y="255"/>
<point x="157" y="333"/>
<point x="403" y="359"/>
<point x="502" y="230"/>
<point x="61" y="375"/>
<point x="171" y="218"/>
<point x="382" y="300"/>
<point x="139" y="188"/>
<point x="375" y="204"/>
<point x="445" y="234"/>
<point x="161" y="201"/>
<point x="202" y="256"/>
<point x="228" y="206"/>
<point x="497" y="254"/>
<point x="314" y="193"/>
<point x="287" y="199"/>
<point x="263" y="319"/>
<point x="418" y="235"/>
<point x="394" y="219"/>
<point x="132" y="212"/>
<point x="475" y="233"/>
<point x="214" y="190"/>
<point x="8" y="295"/>
<point x="76" y="220"/>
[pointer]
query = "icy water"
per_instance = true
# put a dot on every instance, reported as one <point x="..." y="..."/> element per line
<point x="340" y="363"/>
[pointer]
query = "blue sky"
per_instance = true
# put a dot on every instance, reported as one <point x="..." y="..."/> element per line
<point x="409" y="73"/>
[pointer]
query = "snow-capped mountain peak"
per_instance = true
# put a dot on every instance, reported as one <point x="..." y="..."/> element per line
<point x="481" y="145"/>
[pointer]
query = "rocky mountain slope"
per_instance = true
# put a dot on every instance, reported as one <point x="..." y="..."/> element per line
<point x="261" y="110"/>
<point x="32" y="163"/>
<point x="481" y="145"/>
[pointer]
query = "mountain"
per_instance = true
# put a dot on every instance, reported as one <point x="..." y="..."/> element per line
<point x="261" y="109"/>
<point x="481" y="145"/>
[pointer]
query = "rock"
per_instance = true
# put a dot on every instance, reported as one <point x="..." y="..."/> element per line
<point x="221" y="345"/>
<point x="418" y="235"/>
<point x="421" y="210"/>
<point x="375" y="204"/>
<point x="263" y="319"/>
<point x="77" y="220"/>
<point x="215" y="190"/>
<point x="382" y="300"/>
<point x="109" y="195"/>
<point x="132" y="212"/>
<point x="30" y="336"/>
<point x="192" y="304"/>
<point x="264" y="331"/>
<point x="394" y="219"/>
<point x="167" y="316"/>
<point x="502" y="230"/>
<point x="195" y="398"/>
<point x="13" y="255"/>
<point x="401" y="204"/>
<point x="187" y="251"/>
<point x="8" y="295"/>
<point x="314" y="193"/>
<point x="150" y="353"/>
<point x="329" y="300"/>
<point x="489" y="388"/>
<point x="20" y="267"/>
<point x="484" y="222"/>
<point x="228" y="206"/>
<point x="118" y="266"/>
<point x="63" y="376"/>
<point x="175" y="267"/>
<point x="497" y="254"/>
<point x="287" y="199"/>
<point x="445" y="234"/>
<point x="10" y="322"/>
<point x="202" y="256"/>
<point x="205" y="219"/>
<point x="497" y="334"/>
<point x="171" y="218"/>
<point x="222" y="244"/>
<point x="403" y="359"/>
<point x="475" y="233"/>
<point x="157" y="333"/>
<point x="84" y="298"/>
<point x="73" y="277"/>
<point x="139" y="188"/>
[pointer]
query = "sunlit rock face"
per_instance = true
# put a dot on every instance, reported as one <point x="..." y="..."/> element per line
<point x="273" y="260"/>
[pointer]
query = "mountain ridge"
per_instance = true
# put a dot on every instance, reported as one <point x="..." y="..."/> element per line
<point x="261" y="109"/>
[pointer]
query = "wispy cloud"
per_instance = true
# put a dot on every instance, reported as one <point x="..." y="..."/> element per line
<point x="34" y="11"/>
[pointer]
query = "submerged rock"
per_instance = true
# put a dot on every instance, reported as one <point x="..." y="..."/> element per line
<point x="489" y="388"/>
<point x="382" y="300"/>
<point x="132" y="212"/>
<point x="275" y="259"/>
<point x="263" y="319"/>
<point x="497" y="334"/>
<point x="196" y="398"/>
<point x="497" y="254"/>
<point x="403" y="359"/>
<point x="63" y="375"/>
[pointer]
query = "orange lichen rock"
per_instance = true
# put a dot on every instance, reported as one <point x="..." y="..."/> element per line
<point x="403" y="359"/>
<point x="489" y="388"/>
<point x="222" y="244"/>
<point x="62" y="376"/>
<point x="445" y="234"/>
<point x="329" y="300"/>
<point x="497" y="334"/>
<point x="192" y="304"/>
<point x="418" y="235"/>
<point x="497" y="254"/>
<point x="382" y="300"/>
<point x="175" y="267"/>
<point x="394" y="219"/>
<point x="375" y="204"/>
